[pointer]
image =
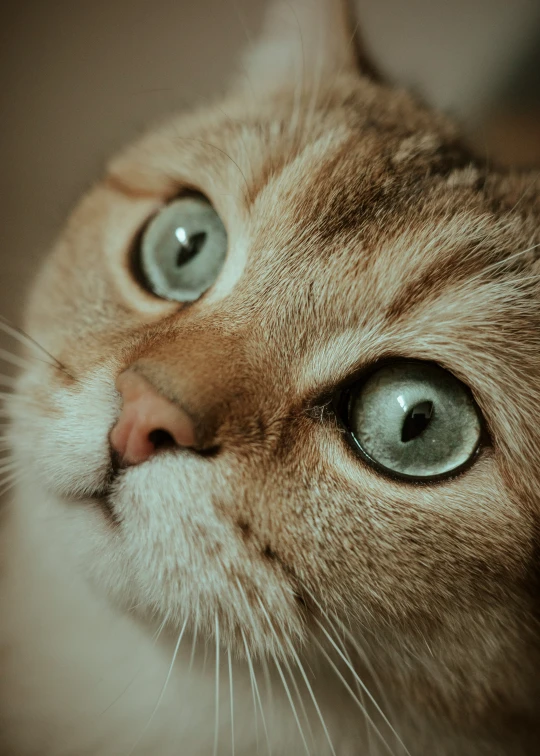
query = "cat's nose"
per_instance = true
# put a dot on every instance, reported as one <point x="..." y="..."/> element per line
<point x="148" y="421"/>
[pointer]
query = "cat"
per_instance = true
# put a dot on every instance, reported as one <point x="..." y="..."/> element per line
<point x="275" y="439"/>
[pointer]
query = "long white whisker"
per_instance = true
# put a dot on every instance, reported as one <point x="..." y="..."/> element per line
<point x="356" y="646"/>
<point x="360" y="692"/>
<point x="255" y="686"/>
<point x="362" y="654"/>
<point x="194" y="641"/>
<point x="268" y="687"/>
<point x="353" y="695"/>
<point x="283" y="680"/>
<point x="289" y="670"/>
<point x="364" y="687"/>
<point x="231" y="696"/>
<point x="160" y="629"/>
<point x="524" y="193"/>
<point x="256" y="697"/>
<point x="291" y="702"/>
<point x="205" y="656"/>
<point x="164" y="687"/>
<point x="216" y="723"/>
<point x="130" y="683"/>
<point x="311" y="693"/>
<point x="299" y="697"/>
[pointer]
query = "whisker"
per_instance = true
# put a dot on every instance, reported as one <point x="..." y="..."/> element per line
<point x="311" y="693"/>
<point x="205" y="656"/>
<point x="254" y="686"/>
<point x="289" y="670"/>
<point x="283" y="679"/>
<point x="266" y="672"/>
<point x="268" y="687"/>
<point x="344" y="649"/>
<point x="357" y="647"/>
<point x="9" y="466"/>
<point x="216" y="722"/>
<point x="502" y="264"/>
<point x="367" y="720"/>
<point x="231" y="697"/>
<point x="353" y="695"/>
<point x="293" y="681"/>
<point x="194" y="641"/>
<point x="535" y="178"/>
<point x="163" y="689"/>
<point x="291" y="702"/>
<point x="347" y="632"/>
<point x="17" y="333"/>
<point x="15" y="360"/>
<point x="157" y="634"/>
<point x="11" y="481"/>
<point x="364" y="687"/>
<point x="256" y="698"/>
<point x="155" y="639"/>
<point x="218" y="149"/>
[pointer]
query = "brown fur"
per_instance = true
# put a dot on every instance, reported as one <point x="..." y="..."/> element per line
<point x="369" y="233"/>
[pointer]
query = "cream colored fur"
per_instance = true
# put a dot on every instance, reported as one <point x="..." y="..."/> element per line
<point x="402" y="618"/>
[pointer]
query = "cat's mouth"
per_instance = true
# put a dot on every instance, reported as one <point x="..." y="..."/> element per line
<point x="103" y="500"/>
<point x="101" y="495"/>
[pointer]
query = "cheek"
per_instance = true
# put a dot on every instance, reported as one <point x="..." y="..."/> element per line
<point x="64" y="440"/>
<point x="86" y="288"/>
<point x="381" y="548"/>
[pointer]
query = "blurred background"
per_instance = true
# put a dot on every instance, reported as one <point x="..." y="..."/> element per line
<point x="80" y="78"/>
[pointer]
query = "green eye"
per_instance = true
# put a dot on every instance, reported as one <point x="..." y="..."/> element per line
<point x="182" y="250"/>
<point x="414" y="420"/>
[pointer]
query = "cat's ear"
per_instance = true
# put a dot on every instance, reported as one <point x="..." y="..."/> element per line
<point x="303" y="40"/>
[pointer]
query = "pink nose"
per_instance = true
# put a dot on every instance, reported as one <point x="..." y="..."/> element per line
<point x="148" y="421"/>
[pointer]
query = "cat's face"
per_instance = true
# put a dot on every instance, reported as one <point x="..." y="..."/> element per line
<point x="358" y="236"/>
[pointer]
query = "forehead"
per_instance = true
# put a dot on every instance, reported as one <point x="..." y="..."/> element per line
<point x="363" y="224"/>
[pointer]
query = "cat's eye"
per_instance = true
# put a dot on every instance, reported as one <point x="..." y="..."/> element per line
<point x="414" y="420"/>
<point x="182" y="250"/>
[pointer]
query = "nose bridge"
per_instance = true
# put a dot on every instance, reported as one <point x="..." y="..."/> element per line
<point x="215" y="375"/>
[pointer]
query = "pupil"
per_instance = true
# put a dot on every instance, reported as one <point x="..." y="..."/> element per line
<point x="416" y="421"/>
<point x="190" y="248"/>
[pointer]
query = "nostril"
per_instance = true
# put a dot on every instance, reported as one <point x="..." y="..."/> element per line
<point x="149" y="422"/>
<point x="161" y="439"/>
